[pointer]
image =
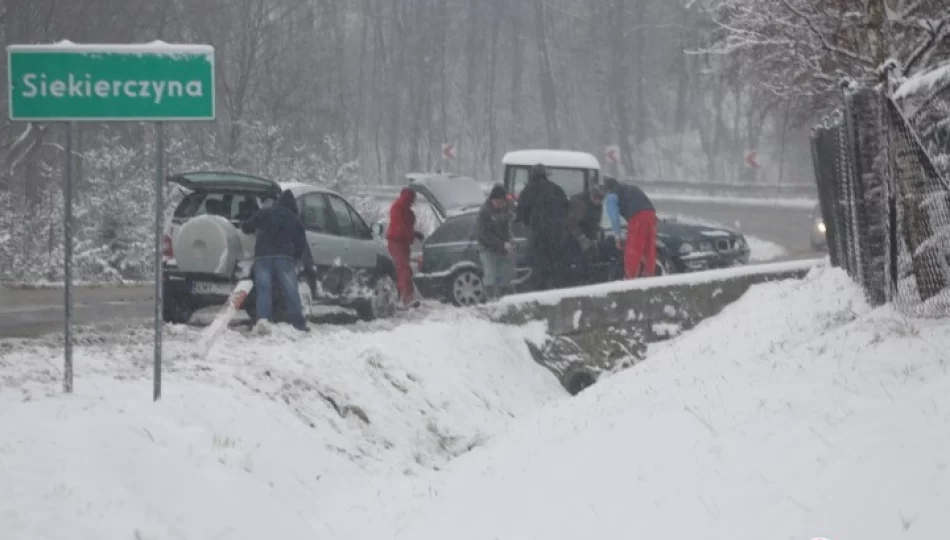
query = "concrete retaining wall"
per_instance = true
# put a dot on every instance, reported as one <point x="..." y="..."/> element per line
<point x="607" y="327"/>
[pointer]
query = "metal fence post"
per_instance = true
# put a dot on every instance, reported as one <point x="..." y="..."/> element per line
<point x="159" y="231"/>
<point x="68" y="260"/>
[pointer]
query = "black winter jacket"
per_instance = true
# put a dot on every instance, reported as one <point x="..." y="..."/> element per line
<point x="542" y="206"/>
<point x="493" y="226"/>
<point x="280" y="232"/>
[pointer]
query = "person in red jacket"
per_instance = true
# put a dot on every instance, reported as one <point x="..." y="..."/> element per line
<point x="399" y="236"/>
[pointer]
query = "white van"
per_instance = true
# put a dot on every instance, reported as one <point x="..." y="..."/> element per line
<point x="574" y="171"/>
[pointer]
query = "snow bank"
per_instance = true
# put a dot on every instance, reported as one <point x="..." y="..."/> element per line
<point x="602" y="289"/>
<point x="798" y="413"/>
<point x="256" y="441"/>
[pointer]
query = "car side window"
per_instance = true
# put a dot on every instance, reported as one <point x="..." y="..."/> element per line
<point x="344" y="219"/>
<point x="427" y="220"/>
<point x="360" y="226"/>
<point x="313" y="213"/>
<point x="519" y="181"/>
<point x="459" y="229"/>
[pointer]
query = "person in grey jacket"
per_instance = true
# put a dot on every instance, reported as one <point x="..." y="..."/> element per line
<point x="496" y="248"/>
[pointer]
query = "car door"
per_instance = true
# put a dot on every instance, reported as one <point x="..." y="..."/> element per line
<point x="326" y="246"/>
<point x="348" y="233"/>
<point x="365" y="249"/>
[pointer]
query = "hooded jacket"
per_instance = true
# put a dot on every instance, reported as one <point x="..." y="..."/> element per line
<point x="279" y="231"/>
<point x="493" y="226"/>
<point x="543" y="207"/>
<point x="402" y="220"/>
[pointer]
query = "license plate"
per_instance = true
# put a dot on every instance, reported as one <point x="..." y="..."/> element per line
<point x="211" y="288"/>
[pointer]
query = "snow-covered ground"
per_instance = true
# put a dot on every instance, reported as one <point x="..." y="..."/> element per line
<point x="258" y="439"/>
<point x="798" y="413"/>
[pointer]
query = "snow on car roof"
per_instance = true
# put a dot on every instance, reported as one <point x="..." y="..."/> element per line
<point x="552" y="158"/>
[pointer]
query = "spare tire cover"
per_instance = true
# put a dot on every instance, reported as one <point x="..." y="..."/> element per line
<point x="207" y="245"/>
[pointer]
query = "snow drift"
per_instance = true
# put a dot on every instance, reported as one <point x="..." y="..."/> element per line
<point x="797" y="413"/>
<point x="255" y="441"/>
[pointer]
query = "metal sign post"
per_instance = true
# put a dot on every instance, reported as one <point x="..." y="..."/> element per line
<point x="68" y="260"/>
<point x="159" y="224"/>
<point x="149" y="82"/>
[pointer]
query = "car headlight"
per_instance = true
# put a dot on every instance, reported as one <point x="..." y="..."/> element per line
<point x="705" y="247"/>
<point x="686" y="248"/>
<point x="821" y="227"/>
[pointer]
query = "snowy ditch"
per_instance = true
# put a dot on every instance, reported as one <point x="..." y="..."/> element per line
<point x="391" y="398"/>
<point x="281" y="424"/>
<point x="771" y="419"/>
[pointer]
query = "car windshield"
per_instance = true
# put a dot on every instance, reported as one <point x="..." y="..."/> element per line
<point x="457" y="192"/>
<point x="570" y="180"/>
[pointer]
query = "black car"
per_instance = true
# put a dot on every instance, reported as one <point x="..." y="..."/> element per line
<point x="449" y="268"/>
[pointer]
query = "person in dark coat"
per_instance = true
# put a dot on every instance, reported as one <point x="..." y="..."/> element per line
<point x="280" y="242"/>
<point x="583" y="225"/>
<point x="496" y="248"/>
<point x="542" y="207"/>
<point x="629" y="203"/>
<point x="399" y="237"/>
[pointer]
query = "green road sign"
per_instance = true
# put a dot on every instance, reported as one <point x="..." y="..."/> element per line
<point x="68" y="82"/>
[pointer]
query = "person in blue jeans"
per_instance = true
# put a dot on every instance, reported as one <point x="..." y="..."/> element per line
<point x="495" y="244"/>
<point x="279" y="244"/>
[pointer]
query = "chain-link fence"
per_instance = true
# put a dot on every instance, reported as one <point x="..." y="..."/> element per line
<point x="884" y="201"/>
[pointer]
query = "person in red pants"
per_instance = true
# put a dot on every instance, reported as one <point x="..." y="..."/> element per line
<point x="631" y="204"/>
<point x="399" y="237"/>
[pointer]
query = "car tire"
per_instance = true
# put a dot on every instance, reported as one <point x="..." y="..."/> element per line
<point x="383" y="302"/>
<point x="176" y="308"/>
<point x="466" y="288"/>
<point x="662" y="267"/>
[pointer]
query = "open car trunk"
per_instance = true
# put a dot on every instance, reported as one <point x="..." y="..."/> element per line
<point x="234" y="182"/>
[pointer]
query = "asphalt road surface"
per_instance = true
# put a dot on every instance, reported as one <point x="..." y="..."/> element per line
<point x="28" y="313"/>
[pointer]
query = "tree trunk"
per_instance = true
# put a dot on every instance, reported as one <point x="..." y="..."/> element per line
<point x="499" y="9"/>
<point x="548" y="93"/>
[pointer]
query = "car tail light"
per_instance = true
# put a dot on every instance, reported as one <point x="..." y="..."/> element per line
<point x="419" y="261"/>
<point x="167" y="251"/>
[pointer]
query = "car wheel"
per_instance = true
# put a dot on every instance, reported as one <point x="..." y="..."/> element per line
<point x="466" y="288"/>
<point x="176" y="309"/>
<point x="664" y="266"/>
<point x="382" y="304"/>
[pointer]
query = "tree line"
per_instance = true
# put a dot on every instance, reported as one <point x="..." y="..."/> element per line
<point x="362" y="91"/>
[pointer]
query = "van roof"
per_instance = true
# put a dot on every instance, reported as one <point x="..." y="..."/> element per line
<point x="552" y="158"/>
